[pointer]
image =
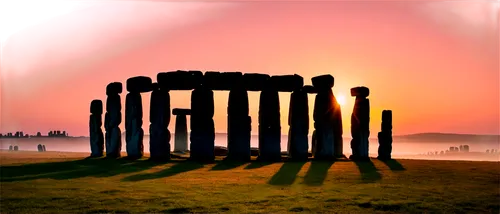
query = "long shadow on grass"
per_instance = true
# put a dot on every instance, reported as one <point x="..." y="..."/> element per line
<point x="286" y="174"/>
<point x="99" y="167"/>
<point x="258" y="164"/>
<point x="369" y="173"/>
<point x="316" y="174"/>
<point x="227" y="164"/>
<point x="394" y="165"/>
<point x="180" y="167"/>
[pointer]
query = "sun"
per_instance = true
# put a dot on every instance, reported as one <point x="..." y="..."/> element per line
<point x="341" y="100"/>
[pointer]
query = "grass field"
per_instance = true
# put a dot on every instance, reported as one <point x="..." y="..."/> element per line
<point x="53" y="182"/>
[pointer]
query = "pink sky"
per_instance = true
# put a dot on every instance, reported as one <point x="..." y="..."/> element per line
<point x="434" y="63"/>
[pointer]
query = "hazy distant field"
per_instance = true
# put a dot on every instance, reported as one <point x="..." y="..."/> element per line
<point x="56" y="182"/>
<point x="401" y="149"/>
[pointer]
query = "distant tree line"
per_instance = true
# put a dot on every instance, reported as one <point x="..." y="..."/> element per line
<point x="20" y="134"/>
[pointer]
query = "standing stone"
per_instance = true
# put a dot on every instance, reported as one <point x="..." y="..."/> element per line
<point x="181" y="132"/>
<point x="112" y="120"/>
<point x="10" y="148"/>
<point x="466" y="148"/>
<point x="43" y="147"/>
<point x="298" y="120"/>
<point x="324" y="117"/>
<point x="159" y="135"/>
<point x="133" y="115"/>
<point x="40" y="148"/>
<point x="385" y="136"/>
<point x="269" y="125"/>
<point x="16" y="148"/>
<point x="360" y="123"/>
<point x="96" y="135"/>
<point x="238" y="120"/>
<point x="202" y="135"/>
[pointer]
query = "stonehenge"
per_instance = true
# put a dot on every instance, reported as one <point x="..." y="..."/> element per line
<point x="326" y="142"/>
<point x="385" y="136"/>
<point x="181" y="132"/>
<point x="112" y="119"/>
<point x="95" y="124"/>
<point x="360" y="123"/>
<point x="133" y="115"/>
<point x="159" y="135"/>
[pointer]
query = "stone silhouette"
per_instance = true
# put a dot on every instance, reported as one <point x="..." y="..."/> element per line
<point x="112" y="119"/>
<point x="238" y="120"/>
<point x="181" y="132"/>
<point x="44" y="149"/>
<point x="298" y="120"/>
<point x="133" y="115"/>
<point x="10" y="148"/>
<point x="324" y="117"/>
<point x="360" y="123"/>
<point x="16" y="148"/>
<point x="269" y="122"/>
<point x="40" y="148"/>
<point x="466" y="148"/>
<point x="159" y="135"/>
<point x="385" y="136"/>
<point x="96" y="135"/>
<point x="202" y="135"/>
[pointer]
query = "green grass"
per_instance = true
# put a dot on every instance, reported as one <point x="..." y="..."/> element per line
<point x="70" y="184"/>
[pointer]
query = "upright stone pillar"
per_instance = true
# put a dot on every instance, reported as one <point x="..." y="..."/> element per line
<point x="95" y="124"/>
<point x="385" y="136"/>
<point x="298" y="120"/>
<point x="202" y="135"/>
<point x="181" y="132"/>
<point x="159" y="135"/>
<point x="269" y="125"/>
<point x="112" y="120"/>
<point x="239" y="125"/>
<point x="324" y="117"/>
<point x="360" y="124"/>
<point x="133" y="115"/>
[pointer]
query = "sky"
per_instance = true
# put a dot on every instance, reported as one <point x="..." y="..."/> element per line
<point x="435" y="64"/>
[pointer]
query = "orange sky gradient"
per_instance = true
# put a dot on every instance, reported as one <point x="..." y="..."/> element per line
<point x="434" y="63"/>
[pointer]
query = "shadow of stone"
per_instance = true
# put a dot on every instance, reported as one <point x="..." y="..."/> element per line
<point x="257" y="164"/>
<point x="286" y="174"/>
<point x="316" y="174"/>
<point x="227" y="164"/>
<point x="180" y="167"/>
<point x="94" y="167"/>
<point x="369" y="173"/>
<point x="394" y="165"/>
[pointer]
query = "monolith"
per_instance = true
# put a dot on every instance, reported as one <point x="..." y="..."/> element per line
<point x="238" y="120"/>
<point x="181" y="132"/>
<point x="325" y="121"/>
<point x="298" y="120"/>
<point x="113" y="119"/>
<point x="133" y="115"/>
<point x="385" y="136"/>
<point x="95" y="124"/>
<point x="159" y="117"/>
<point x="360" y="124"/>
<point x="202" y="135"/>
<point x="269" y="124"/>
